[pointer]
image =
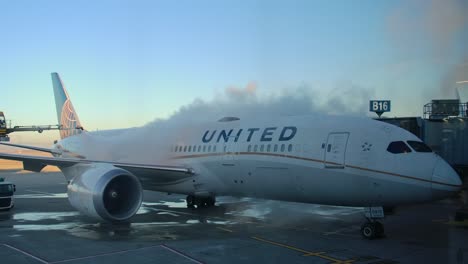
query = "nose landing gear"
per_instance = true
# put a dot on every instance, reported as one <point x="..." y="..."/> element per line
<point x="372" y="228"/>
<point x="200" y="202"/>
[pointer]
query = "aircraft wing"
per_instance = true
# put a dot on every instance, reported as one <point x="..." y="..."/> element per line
<point x="148" y="174"/>
<point x="51" y="151"/>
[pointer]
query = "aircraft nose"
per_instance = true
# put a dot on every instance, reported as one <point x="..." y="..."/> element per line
<point x="445" y="180"/>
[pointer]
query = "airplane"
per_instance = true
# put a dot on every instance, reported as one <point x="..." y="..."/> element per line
<point x="329" y="160"/>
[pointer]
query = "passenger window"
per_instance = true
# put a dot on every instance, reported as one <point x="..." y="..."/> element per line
<point x="249" y="148"/>
<point x="282" y="147"/>
<point x="204" y="148"/>
<point x="275" y="148"/>
<point x="189" y="148"/>
<point x="419" y="146"/>
<point x="255" y="148"/>
<point x="261" y="148"/>
<point x="397" y="147"/>
<point x="209" y="148"/>
<point x="290" y="148"/>
<point x="268" y="148"/>
<point x="199" y="148"/>
<point x="214" y="148"/>
<point x="185" y="148"/>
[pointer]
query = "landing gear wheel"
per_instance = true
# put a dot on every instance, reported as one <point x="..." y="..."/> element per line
<point x="210" y="201"/>
<point x="200" y="202"/>
<point x="190" y="201"/>
<point x="379" y="229"/>
<point x="368" y="230"/>
<point x="372" y="228"/>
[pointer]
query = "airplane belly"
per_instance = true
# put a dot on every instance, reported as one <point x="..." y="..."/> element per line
<point x="345" y="188"/>
<point x="299" y="182"/>
<point x="332" y="187"/>
<point x="262" y="178"/>
<point x="277" y="182"/>
<point x="407" y="182"/>
<point x="296" y="181"/>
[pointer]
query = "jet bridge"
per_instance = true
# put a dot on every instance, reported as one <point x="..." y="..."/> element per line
<point x="443" y="127"/>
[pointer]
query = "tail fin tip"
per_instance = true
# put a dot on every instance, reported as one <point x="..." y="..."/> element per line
<point x="66" y="114"/>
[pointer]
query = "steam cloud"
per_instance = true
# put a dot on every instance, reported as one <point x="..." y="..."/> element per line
<point x="234" y="101"/>
<point x="430" y="26"/>
<point x="247" y="101"/>
<point x="431" y="30"/>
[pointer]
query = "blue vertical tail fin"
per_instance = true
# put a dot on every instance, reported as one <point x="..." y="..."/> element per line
<point x="66" y="114"/>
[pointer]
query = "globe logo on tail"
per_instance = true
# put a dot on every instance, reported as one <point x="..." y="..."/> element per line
<point x="69" y="120"/>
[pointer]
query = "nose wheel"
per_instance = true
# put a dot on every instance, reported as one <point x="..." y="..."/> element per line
<point x="373" y="229"/>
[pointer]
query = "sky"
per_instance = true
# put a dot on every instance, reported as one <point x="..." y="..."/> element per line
<point x="127" y="63"/>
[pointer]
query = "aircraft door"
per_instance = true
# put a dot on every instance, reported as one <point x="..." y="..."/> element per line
<point x="335" y="149"/>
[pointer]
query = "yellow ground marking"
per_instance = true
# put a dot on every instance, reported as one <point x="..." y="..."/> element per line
<point x="306" y="253"/>
<point x="225" y="229"/>
<point x="313" y="254"/>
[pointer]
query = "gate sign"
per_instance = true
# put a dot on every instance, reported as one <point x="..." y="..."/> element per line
<point x="379" y="106"/>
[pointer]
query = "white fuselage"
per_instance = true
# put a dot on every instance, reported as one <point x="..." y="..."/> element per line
<point x="313" y="159"/>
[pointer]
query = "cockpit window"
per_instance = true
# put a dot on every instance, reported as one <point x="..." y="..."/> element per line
<point x="419" y="146"/>
<point x="397" y="147"/>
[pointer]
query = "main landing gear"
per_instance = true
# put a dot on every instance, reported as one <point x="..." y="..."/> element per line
<point x="372" y="228"/>
<point x="200" y="202"/>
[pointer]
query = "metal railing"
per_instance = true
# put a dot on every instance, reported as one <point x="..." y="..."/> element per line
<point x="437" y="110"/>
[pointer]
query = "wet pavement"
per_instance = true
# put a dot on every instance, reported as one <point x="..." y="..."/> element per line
<point x="44" y="228"/>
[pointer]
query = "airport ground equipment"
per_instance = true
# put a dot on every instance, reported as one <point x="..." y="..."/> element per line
<point x="6" y="128"/>
<point x="3" y="128"/>
<point x="7" y="189"/>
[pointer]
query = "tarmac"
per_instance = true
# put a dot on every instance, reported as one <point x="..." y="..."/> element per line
<point x="44" y="228"/>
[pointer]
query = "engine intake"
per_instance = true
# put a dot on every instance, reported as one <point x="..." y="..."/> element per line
<point x="106" y="192"/>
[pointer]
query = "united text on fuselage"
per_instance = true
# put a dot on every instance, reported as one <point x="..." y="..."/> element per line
<point x="265" y="134"/>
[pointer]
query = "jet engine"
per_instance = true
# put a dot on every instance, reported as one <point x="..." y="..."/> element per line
<point x="106" y="192"/>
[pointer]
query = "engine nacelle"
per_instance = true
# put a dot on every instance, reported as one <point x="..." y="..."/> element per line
<point x="106" y="192"/>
